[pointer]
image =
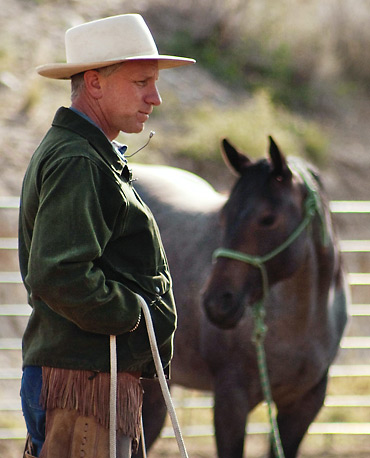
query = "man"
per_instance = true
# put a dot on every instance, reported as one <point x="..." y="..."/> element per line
<point x="88" y="246"/>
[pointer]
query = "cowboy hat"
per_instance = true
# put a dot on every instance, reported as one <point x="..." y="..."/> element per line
<point x="106" y="42"/>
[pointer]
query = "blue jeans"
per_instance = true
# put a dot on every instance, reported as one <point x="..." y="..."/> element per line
<point x="33" y="413"/>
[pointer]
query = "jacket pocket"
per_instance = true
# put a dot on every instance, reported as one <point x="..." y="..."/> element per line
<point x="164" y="320"/>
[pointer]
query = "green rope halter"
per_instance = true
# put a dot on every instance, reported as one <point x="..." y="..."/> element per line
<point x="312" y="206"/>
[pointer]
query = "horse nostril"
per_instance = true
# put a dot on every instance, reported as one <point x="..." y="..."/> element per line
<point x="219" y="305"/>
<point x="222" y="309"/>
<point x="226" y="301"/>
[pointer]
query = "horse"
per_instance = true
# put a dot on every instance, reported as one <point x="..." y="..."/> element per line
<point x="277" y="213"/>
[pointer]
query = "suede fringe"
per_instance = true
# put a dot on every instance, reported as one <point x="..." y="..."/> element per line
<point x="88" y="393"/>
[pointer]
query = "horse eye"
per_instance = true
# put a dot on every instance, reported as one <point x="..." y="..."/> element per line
<point x="267" y="220"/>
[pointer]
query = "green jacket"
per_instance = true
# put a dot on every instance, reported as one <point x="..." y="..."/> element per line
<point x="87" y="244"/>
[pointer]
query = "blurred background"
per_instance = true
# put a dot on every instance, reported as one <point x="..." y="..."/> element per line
<point x="298" y="70"/>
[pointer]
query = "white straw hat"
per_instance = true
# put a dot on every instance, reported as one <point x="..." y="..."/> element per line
<point x="106" y="42"/>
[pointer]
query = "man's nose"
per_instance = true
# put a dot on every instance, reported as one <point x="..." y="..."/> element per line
<point x="154" y="97"/>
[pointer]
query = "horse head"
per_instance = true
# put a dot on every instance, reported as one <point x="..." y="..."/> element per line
<point x="264" y="236"/>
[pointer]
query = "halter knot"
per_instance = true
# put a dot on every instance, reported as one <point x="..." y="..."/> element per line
<point x="260" y="329"/>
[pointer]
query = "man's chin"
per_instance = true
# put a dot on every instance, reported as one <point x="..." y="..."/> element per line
<point x="134" y="130"/>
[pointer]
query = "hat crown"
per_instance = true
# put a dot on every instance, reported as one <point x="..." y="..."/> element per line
<point x="109" y="39"/>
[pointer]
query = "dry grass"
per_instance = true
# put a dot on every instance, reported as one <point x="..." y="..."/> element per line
<point x="277" y="45"/>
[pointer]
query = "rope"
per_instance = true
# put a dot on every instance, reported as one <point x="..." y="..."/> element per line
<point x="143" y="438"/>
<point x="162" y="382"/>
<point x="162" y="378"/>
<point x="258" y="339"/>
<point x="113" y="398"/>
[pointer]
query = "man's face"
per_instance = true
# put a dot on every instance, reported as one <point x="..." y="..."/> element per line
<point x="128" y="96"/>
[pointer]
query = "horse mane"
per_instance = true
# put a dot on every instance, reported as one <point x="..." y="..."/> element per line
<point x="315" y="188"/>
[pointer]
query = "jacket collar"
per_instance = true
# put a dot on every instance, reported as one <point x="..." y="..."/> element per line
<point x="69" y="119"/>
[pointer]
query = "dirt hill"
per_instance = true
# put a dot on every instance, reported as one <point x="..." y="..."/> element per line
<point x="32" y="33"/>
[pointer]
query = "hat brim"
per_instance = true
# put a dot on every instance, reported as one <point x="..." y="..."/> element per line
<point x="65" y="71"/>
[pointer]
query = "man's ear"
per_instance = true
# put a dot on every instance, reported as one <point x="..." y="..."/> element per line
<point x="93" y="86"/>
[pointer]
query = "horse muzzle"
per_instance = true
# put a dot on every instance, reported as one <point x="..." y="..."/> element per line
<point x="223" y="309"/>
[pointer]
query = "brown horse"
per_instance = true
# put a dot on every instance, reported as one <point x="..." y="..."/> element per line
<point x="278" y="246"/>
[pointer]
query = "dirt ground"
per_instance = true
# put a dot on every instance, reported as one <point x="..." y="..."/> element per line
<point x="204" y="448"/>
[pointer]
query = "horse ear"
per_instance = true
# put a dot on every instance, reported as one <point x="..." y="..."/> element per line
<point x="281" y="170"/>
<point x="234" y="159"/>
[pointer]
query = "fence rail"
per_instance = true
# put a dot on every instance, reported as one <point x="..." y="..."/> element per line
<point x="350" y="206"/>
<point x="356" y="278"/>
<point x="338" y="371"/>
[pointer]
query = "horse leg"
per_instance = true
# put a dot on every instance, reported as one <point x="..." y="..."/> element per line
<point x="230" y="415"/>
<point x="154" y="413"/>
<point x="295" y="419"/>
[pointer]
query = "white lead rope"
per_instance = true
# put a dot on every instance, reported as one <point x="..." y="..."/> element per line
<point x="162" y="382"/>
<point x="143" y="438"/>
<point x="113" y="399"/>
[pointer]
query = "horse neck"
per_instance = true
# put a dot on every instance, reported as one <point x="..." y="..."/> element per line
<point x="310" y="284"/>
